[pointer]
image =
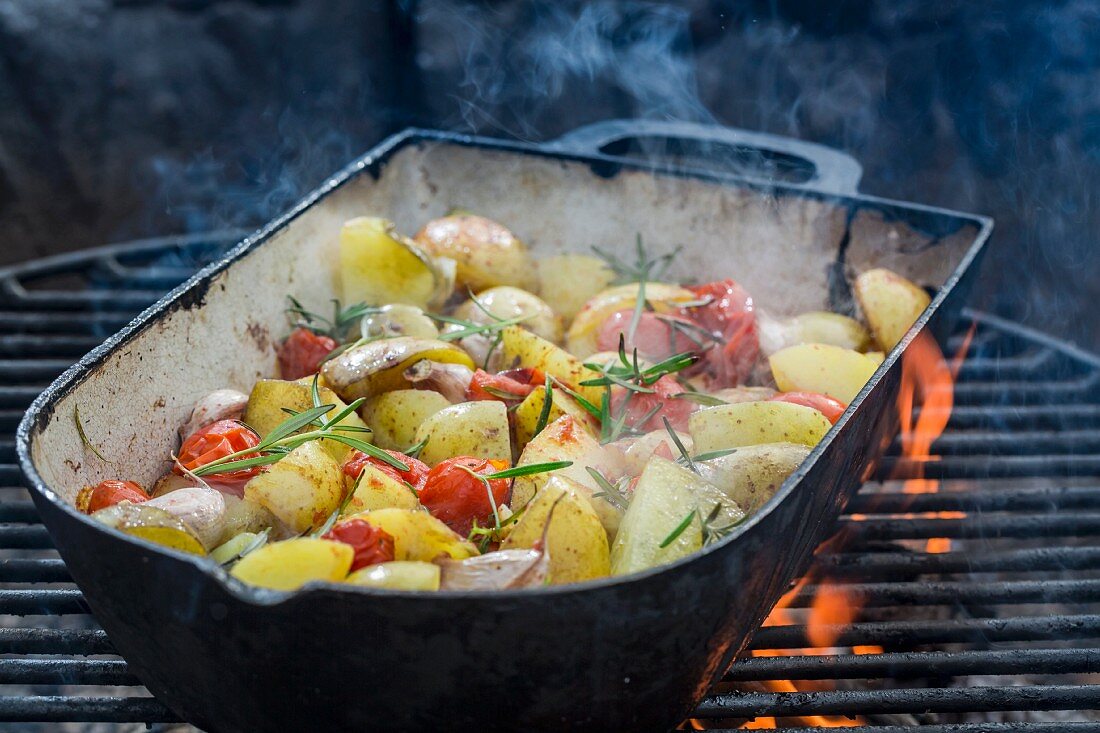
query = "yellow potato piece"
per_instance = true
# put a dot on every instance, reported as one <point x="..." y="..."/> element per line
<point x="830" y="370"/>
<point x="379" y="267"/>
<point x="379" y="366"/>
<point x="580" y="339"/>
<point x="521" y="348"/>
<point x="822" y="327"/>
<point x="663" y="499"/>
<point x="752" y="474"/>
<point x="527" y="414"/>
<point x="395" y="416"/>
<point x="232" y="547"/>
<point x="505" y="302"/>
<point x="302" y="490"/>
<point x="564" y="440"/>
<point x="376" y="489"/>
<point x="269" y="397"/>
<point x="756" y="423"/>
<point x="487" y="254"/>
<point x="570" y="280"/>
<point x="575" y="540"/>
<point x="890" y="303"/>
<point x="418" y="535"/>
<point x="290" y="564"/>
<point x="468" y="429"/>
<point x="152" y="524"/>
<point x="398" y="575"/>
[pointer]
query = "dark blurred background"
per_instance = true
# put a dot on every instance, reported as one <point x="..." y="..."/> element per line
<point x="134" y="118"/>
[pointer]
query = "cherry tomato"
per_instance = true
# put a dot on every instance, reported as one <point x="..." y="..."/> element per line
<point x="215" y="441"/>
<point x="730" y="314"/>
<point x="456" y="498"/>
<point x="640" y="403"/>
<point x="415" y="476"/>
<point x="371" y="544"/>
<point x="655" y="337"/>
<point x="302" y="353"/>
<point x="108" y="493"/>
<point x="497" y="383"/>
<point x="527" y="375"/>
<point x="827" y="406"/>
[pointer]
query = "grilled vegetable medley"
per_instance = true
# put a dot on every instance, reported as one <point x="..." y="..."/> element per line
<point x="470" y="416"/>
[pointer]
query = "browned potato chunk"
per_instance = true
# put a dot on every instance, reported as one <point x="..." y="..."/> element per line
<point x="487" y="254"/>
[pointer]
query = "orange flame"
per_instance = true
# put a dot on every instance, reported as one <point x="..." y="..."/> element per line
<point x="927" y="381"/>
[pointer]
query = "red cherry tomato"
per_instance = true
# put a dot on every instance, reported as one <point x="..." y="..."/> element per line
<point x="415" y="476"/>
<point x="108" y="493"/>
<point x="371" y="544"/>
<point x="215" y="441"/>
<point x="456" y="498"/>
<point x="640" y="403"/>
<point x="729" y="314"/>
<point x="827" y="406"/>
<point x="498" y="383"/>
<point x="655" y="336"/>
<point x="302" y="353"/>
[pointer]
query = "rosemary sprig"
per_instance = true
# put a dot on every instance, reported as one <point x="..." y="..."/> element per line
<point x="684" y="455"/>
<point x="700" y="398"/>
<point x="285" y="438"/>
<point x="679" y="530"/>
<point x="331" y="521"/>
<point x="629" y="375"/>
<point x="547" y="403"/>
<point x="413" y="451"/>
<point x="612" y="492"/>
<point x="712" y="454"/>
<point x="335" y="327"/>
<point x="489" y="535"/>
<point x="528" y="470"/>
<point x="643" y="268"/>
<point x="469" y="328"/>
<point x="260" y="541"/>
<point x="84" y="436"/>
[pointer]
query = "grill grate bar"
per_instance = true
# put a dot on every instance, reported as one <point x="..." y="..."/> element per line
<point x="1063" y="727"/>
<point x="80" y="642"/>
<point x="61" y="708"/>
<point x="900" y="564"/>
<point x="984" y="467"/>
<point x="990" y="500"/>
<point x="980" y="526"/>
<point x="934" y="699"/>
<point x="914" y="664"/>
<point x="955" y="631"/>
<point x="20" y="570"/>
<point x="19" y="511"/>
<point x="24" y="537"/>
<point x="108" y="672"/>
<point x="877" y="595"/>
<point x="53" y="602"/>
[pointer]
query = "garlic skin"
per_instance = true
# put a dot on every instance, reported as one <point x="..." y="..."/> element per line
<point x="496" y="571"/>
<point x="450" y="380"/>
<point x="202" y="510"/>
<point x="221" y="404"/>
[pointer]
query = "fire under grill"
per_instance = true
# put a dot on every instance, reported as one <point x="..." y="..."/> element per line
<point x="961" y="591"/>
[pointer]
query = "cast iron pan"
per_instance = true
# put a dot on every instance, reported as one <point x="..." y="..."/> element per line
<point x="619" y="654"/>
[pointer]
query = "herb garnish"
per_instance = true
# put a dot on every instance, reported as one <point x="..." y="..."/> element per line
<point x="544" y="414"/>
<point x="679" y="530"/>
<point x="335" y="327"/>
<point x="629" y="375"/>
<point x="700" y="398"/>
<point x="711" y="532"/>
<point x="469" y="328"/>
<point x="331" y="521"/>
<point x="413" y="451"/>
<point x="684" y="455"/>
<point x="612" y="492"/>
<point x="255" y="544"/>
<point x="84" y="436"/>
<point x="643" y="268"/>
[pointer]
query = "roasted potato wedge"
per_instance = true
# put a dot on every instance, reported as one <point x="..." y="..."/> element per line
<point x="244" y="516"/>
<point x="379" y="366"/>
<point x="395" y="416"/>
<point x="235" y="545"/>
<point x="377" y="489"/>
<point x="378" y="266"/>
<point x="290" y="564"/>
<point x="302" y="490"/>
<point x="641" y="449"/>
<point x="733" y="395"/>
<point x="398" y="575"/>
<point x="151" y="524"/>
<point x="668" y="497"/>
<point x="521" y="348"/>
<point x="487" y="254"/>
<point x="575" y="539"/>
<point x="398" y="319"/>
<point x="751" y="475"/>
<point x="527" y="414"/>
<point x="270" y="397"/>
<point x="564" y="440"/>
<point x="756" y="423"/>
<point x="505" y="302"/>
<point x="890" y="303"/>
<point x="570" y="280"/>
<point x="418" y="535"/>
<point x="829" y="370"/>
<point x="468" y="429"/>
<point x="814" y="327"/>
<point x="580" y="339"/>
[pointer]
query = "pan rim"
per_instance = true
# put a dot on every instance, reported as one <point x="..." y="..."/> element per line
<point x="42" y="408"/>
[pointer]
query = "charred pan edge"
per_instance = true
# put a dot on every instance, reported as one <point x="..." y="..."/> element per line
<point x="191" y="294"/>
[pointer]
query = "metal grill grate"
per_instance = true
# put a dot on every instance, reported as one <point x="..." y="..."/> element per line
<point x="1000" y="632"/>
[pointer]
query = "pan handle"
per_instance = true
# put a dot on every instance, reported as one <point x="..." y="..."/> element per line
<point x="834" y="172"/>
